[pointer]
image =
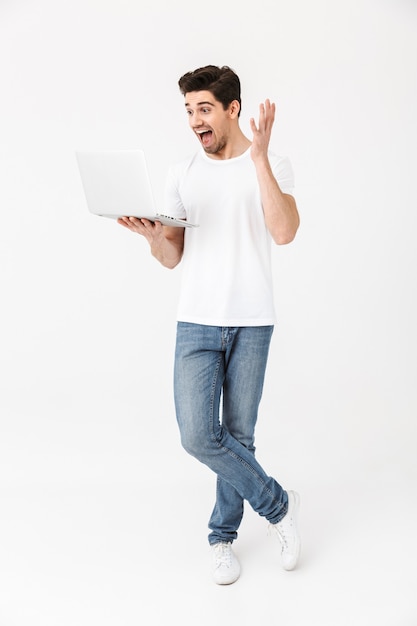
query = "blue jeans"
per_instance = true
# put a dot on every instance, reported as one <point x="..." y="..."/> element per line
<point x="226" y="364"/>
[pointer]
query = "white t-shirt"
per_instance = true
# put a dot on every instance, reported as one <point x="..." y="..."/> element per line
<point x="226" y="267"/>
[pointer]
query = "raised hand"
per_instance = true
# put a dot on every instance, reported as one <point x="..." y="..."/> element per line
<point x="262" y="131"/>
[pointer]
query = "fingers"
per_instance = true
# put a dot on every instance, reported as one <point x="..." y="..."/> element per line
<point x="124" y="221"/>
<point x="151" y="228"/>
<point x="134" y="223"/>
<point x="266" y="113"/>
<point x="253" y="125"/>
<point x="266" y="118"/>
<point x="262" y="130"/>
<point x="148" y="229"/>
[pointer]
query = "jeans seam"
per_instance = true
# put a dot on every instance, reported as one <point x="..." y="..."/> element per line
<point x="251" y="470"/>
<point x="212" y="395"/>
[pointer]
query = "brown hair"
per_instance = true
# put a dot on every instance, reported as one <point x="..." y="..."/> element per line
<point x="222" y="82"/>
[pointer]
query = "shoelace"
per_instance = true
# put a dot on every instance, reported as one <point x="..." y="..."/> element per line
<point x="279" y="530"/>
<point x="222" y="554"/>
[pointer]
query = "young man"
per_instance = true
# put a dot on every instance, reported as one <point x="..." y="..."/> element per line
<point x="240" y="194"/>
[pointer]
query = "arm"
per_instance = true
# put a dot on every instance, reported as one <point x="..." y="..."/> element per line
<point x="280" y="209"/>
<point x="166" y="242"/>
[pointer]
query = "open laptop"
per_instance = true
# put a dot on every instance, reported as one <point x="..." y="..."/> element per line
<point x="116" y="183"/>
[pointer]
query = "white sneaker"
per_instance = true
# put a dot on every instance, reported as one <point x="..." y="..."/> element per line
<point x="287" y="533"/>
<point x="226" y="567"/>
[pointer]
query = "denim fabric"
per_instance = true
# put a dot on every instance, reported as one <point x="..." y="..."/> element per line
<point x="226" y="365"/>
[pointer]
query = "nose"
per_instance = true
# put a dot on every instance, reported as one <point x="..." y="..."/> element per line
<point x="195" y="120"/>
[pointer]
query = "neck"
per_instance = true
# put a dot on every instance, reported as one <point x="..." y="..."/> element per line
<point x="236" y="145"/>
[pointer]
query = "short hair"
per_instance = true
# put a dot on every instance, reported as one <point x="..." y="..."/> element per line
<point x="222" y="82"/>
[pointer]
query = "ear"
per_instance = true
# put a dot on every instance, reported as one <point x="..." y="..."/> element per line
<point x="234" y="108"/>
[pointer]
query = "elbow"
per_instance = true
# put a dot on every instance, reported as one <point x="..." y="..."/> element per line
<point x="171" y="265"/>
<point x="283" y="241"/>
<point x="284" y="232"/>
<point x="282" y="238"/>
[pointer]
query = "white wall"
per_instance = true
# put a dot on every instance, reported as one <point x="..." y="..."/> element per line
<point x="88" y="317"/>
<point x="96" y="493"/>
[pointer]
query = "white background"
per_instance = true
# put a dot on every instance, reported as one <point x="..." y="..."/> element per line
<point x="103" y="517"/>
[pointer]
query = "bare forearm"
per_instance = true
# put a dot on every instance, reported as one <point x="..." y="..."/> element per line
<point x="166" y="242"/>
<point x="167" y="252"/>
<point x="280" y="210"/>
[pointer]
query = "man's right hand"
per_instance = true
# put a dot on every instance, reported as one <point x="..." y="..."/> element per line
<point x="151" y="230"/>
<point x="166" y="242"/>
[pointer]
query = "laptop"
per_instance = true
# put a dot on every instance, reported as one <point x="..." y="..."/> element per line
<point x="116" y="183"/>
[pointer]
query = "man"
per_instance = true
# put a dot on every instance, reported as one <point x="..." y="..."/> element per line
<point x="240" y="194"/>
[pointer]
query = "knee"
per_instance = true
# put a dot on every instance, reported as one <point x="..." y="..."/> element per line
<point x="191" y="444"/>
<point x="197" y="445"/>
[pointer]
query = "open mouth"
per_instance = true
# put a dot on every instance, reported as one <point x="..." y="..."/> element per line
<point x="205" y="136"/>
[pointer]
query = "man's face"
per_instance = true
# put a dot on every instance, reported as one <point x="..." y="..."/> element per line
<point x="208" y="120"/>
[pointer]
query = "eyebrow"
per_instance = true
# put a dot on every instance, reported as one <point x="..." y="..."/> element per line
<point x="201" y="103"/>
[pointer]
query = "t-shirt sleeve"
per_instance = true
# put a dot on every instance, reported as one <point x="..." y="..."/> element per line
<point x="283" y="172"/>
<point x="173" y="205"/>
